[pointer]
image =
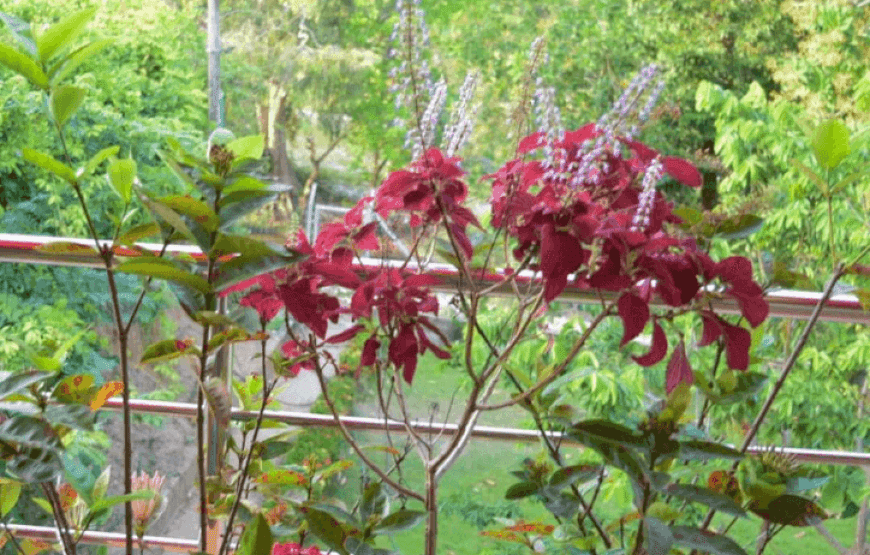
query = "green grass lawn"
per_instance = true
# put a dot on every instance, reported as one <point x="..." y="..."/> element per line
<point x="471" y="494"/>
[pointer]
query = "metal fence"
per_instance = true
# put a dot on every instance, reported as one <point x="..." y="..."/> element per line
<point x="784" y="304"/>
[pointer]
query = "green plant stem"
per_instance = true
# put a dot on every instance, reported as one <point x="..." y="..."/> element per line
<point x="267" y="390"/>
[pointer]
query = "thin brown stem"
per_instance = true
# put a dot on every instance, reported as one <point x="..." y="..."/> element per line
<point x="353" y="444"/>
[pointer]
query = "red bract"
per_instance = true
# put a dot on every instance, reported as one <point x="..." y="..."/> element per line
<point x="679" y="371"/>
<point x="299" y="354"/>
<point x="658" y="349"/>
<point x="431" y="190"/>
<point x="401" y="303"/>
<point x="294" y="549"/>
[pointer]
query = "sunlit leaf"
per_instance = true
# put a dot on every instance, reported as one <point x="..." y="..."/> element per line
<point x="63" y="68"/>
<point x="62" y="34"/>
<point x="23" y="65"/>
<point x="64" y="101"/>
<point x="9" y="492"/>
<point x="831" y="143"/>
<point x="48" y="163"/>
<point x="247" y="148"/>
<point x="121" y="174"/>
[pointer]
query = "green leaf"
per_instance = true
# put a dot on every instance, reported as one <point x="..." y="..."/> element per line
<point x="326" y="528"/>
<point x="164" y="269"/>
<point x="24" y="66"/>
<point x="64" y="101"/>
<point x="658" y="538"/>
<point x="9" y="492"/>
<point x="522" y="489"/>
<point x="67" y="248"/>
<point x="17" y="382"/>
<point x="101" y="485"/>
<point x="64" y="67"/>
<point x="698" y="494"/>
<point x="831" y="143"/>
<point x="213" y="318"/>
<point x="27" y="431"/>
<point x="247" y="148"/>
<point x="373" y="501"/>
<point x="572" y="474"/>
<point x="77" y="417"/>
<point x="194" y="209"/>
<point x="121" y="174"/>
<point x="167" y="349"/>
<point x="789" y="510"/>
<point x="168" y="215"/>
<point x="705" y="541"/>
<point x="283" y="477"/>
<point x="61" y="35"/>
<point x="337" y="513"/>
<point x="399" y="521"/>
<point x="335" y="468"/>
<point x="705" y="450"/>
<point x="257" y="538"/>
<point x="112" y="500"/>
<point x="239" y="208"/>
<point x="98" y="159"/>
<point x="46" y="162"/>
<point x="35" y="465"/>
<point x="139" y="232"/>
<point x="797" y="484"/>
<point x="739" y="227"/>
<point x="605" y="430"/>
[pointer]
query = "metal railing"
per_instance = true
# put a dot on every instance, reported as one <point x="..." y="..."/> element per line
<point x="29" y="249"/>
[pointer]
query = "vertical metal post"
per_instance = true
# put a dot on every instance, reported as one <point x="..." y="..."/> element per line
<point x="213" y="49"/>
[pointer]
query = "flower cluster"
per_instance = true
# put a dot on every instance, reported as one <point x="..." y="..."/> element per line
<point x="607" y="229"/>
<point x="601" y="225"/>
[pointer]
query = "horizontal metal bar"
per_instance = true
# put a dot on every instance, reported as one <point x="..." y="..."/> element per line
<point x="49" y="534"/>
<point x="783" y="304"/>
<point x="360" y="423"/>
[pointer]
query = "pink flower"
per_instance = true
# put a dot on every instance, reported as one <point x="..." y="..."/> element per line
<point x="145" y="511"/>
